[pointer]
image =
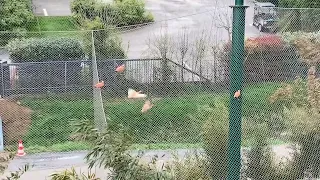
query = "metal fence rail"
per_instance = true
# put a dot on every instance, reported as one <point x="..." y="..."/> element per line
<point x="76" y="76"/>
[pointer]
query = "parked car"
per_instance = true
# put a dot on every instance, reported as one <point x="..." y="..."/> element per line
<point x="265" y="17"/>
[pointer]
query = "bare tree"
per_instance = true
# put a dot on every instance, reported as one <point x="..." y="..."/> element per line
<point x="161" y="46"/>
<point x="182" y="47"/>
<point x="223" y="19"/>
<point x="199" y="50"/>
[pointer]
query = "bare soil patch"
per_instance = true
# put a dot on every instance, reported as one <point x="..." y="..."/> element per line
<point x="16" y="120"/>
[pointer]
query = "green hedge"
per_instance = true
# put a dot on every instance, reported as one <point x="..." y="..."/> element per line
<point x="267" y="58"/>
<point x="45" y="49"/>
<point x="38" y="76"/>
<point x="15" y="15"/>
<point x="119" y="13"/>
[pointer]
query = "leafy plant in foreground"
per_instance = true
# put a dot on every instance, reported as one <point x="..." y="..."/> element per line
<point x="302" y="115"/>
<point x="17" y="174"/>
<point x="111" y="151"/>
<point x="72" y="174"/>
<point x="215" y="135"/>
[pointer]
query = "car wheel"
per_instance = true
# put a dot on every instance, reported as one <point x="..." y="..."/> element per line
<point x="260" y="28"/>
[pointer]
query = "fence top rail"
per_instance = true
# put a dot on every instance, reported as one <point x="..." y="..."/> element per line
<point x="81" y="61"/>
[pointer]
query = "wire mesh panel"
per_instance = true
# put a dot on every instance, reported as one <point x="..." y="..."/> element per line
<point x="114" y="80"/>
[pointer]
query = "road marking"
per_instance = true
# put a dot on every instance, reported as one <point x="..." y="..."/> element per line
<point x="45" y="12"/>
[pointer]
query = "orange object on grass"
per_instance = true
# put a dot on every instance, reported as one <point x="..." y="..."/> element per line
<point x="147" y="106"/>
<point x="99" y="85"/>
<point x="132" y="94"/>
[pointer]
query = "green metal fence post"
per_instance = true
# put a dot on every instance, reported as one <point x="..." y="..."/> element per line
<point x="236" y="81"/>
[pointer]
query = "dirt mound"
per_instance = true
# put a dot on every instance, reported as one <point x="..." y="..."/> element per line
<point x="16" y="120"/>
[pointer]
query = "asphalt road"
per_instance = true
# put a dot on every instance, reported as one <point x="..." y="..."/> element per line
<point x="42" y="161"/>
<point x="65" y="160"/>
<point x="4" y="56"/>
<point x="45" y="164"/>
<point x="51" y="8"/>
<point x="194" y="15"/>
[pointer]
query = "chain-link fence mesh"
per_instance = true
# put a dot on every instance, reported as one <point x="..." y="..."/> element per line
<point x="181" y="67"/>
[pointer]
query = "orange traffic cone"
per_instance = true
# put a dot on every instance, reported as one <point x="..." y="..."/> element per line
<point x="21" y="149"/>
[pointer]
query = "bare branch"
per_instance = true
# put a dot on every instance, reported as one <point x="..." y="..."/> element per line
<point x="161" y="45"/>
<point x="223" y="19"/>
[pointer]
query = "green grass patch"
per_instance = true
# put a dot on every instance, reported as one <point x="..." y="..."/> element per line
<point x="58" y="26"/>
<point x="167" y="125"/>
<point x="60" y="147"/>
<point x="53" y="23"/>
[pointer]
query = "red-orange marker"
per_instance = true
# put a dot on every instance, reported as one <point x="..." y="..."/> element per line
<point x="237" y="94"/>
<point x="121" y="69"/>
<point x="146" y="106"/>
<point x="99" y="85"/>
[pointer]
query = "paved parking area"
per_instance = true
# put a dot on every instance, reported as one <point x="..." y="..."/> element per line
<point x="51" y="7"/>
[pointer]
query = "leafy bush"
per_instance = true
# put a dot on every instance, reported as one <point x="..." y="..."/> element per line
<point x="72" y="174"/>
<point x="7" y="36"/>
<point x="45" y="49"/>
<point x="15" y="14"/>
<point x="301" y="101"/>
<point x="261" y="163"/>
<point x="83" y="9"/>
<point x="193" y="166"/>
<point x="111" y="151"/>
<point x="107" y="46"/>
<point x="119" y="13"/>
<point x="132" y="12"/>
<point x="215" y="134"/>
<point x="304" y="128"/>
<point x="267" y="58"/>
<point x="107" y="43"/>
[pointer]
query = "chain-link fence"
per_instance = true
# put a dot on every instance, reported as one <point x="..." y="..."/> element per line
<point x="50" y="102"/>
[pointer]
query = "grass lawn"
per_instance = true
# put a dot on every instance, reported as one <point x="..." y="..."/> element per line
<point x="166" y="126"/>
<point x="53" y="23"/>
<point x="44" y="26"/>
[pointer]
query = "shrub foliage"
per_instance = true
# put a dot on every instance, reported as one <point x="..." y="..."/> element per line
<point x="52" y="74"/>
<point x="45" y="49"/>
<point x="301" y="101"/>
<point x="118" y="13"/>
<point x="267" y="58"/>
<point x="15" y="15"/>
